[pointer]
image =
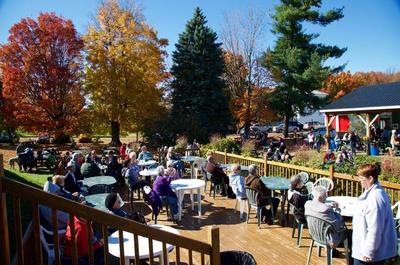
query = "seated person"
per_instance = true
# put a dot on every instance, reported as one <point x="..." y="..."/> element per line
<point x="114" y="204"/>
<point x="46" y="212"/>
<point x="82" y="240"/>
<point x="71" y="180"/>
<point x="113" y="167"/>
<point x="171" y="171"/>
<point x="343" y="157"/>
<point x="286" y="157"/>
<point x="161" y="187"/>
<point x="78" y="159"/>
<point x="218" y="173"/>
<point x="296" y="198"/>
<point x="89" y="168"/>
<point x="264" y="194"/>
<point x="318" y="208"/>
<point x="176" y="160"/>
<point x="95" y="158"/>
<point x="144" y="154"/>
<point x="329" y="157"/>
<point x="277" y="155"/>
<point x="131" y="171"/>
<point x="270" y="154"/>
<point x="236" y="181"/>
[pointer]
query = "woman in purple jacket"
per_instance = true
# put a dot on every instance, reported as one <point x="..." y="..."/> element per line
<point x="162" y="187"/>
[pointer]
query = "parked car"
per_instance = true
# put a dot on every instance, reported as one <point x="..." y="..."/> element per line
<point x="43" y="139"/>
<point x="294" y="126"/>
<point x="312" y="125"/>
<point x="259" y="128"/>
<point x="5" y="138"/>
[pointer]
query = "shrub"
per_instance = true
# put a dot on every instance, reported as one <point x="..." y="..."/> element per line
<point x="303" y="156"/>
<point x="84" y="138"/>
<point x="390" y="169"/>
<point x="247" y="148"/>
<point x="220" y="144"/>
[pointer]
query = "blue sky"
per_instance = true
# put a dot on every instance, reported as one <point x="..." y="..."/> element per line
<point x="370" y="29"/>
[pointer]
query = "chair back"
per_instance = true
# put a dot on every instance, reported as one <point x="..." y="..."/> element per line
<point x="46" y="238"/>
<point x="318" y="229"/>
<point x="304" y="177"/>
<point x="396" y="208"/>
<point x="99" y="188"/>
<point x="207" y="176"/>
<point x="199" y="164"/>
<point x="252" y="196"/>
<point x="325" y="182"/>
<point x="309" y="187"/>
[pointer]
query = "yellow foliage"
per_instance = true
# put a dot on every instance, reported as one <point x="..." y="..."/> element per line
<point x="125" y="62"/>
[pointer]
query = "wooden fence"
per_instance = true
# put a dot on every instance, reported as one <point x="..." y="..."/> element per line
<point x="198" y="251"/>
<point x="345" y="185"/>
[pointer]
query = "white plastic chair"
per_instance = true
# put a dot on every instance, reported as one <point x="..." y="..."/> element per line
<point x="304" y="177"/>
<point x="397" y="215"/>
<point x="324" y="182"/>
<point x="49" y="247"/>
<point x="242" y="202"/>
<point x="197" y="165"/>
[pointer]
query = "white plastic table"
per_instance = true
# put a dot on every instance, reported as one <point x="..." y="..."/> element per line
<point x="346" y="204"/>
<point x="129" y="245"/>
<point x="182" y="185"/>
<point x="148" y="172"/>
<point x="143" y="163"/>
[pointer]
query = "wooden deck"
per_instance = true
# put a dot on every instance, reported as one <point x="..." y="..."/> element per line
<point x="269" y="244"/>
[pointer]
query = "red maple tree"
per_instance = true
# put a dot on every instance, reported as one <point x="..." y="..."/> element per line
<point x="41" y="73"/>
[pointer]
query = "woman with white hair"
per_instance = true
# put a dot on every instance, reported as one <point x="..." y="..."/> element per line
<point x="162" y="188"/>
<point x="175" y="159"/>
<point x="236" y="181"/>
<point x="318" y="208"/>
<point x="296" y="198"/>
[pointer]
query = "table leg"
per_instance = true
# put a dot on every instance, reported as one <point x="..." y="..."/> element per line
<point x="283" y="200"/>
<point x="191" y="170"/>
<point x="199" y="201"/>
<point x="180" y="195"/>
<point x="127" y="260"/>
<point x="191" y="199"/>
<point x="161" y="259"/>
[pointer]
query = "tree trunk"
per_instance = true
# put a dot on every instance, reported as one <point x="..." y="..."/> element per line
<point x="248" y="112"/>
<point x="286" y="125"/>
<point x="115" y="133"/>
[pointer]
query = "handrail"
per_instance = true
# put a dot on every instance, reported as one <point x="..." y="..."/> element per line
<point x="344" y="184"/>
<point x="38" y="197"/>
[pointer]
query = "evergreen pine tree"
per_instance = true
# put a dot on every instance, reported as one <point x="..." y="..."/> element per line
<point x="199" y="106"/>
<point x="297" y="64"/>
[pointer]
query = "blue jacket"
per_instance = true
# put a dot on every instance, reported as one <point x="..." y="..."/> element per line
<point x="374" y="233"/>
<point x="236" y="181"/>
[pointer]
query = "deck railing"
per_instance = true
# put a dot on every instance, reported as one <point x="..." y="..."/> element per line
<point x="198" y="251"/>
<point x="345" y="185"/>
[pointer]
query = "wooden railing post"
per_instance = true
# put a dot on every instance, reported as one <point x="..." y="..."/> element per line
<point x="266" y="165"/>
<point x="5" y="245"/>
<point x="226" y="157"/>
<point x="215" y="250"/>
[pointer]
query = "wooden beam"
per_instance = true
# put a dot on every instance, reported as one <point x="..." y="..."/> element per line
<point x="367" y="124"/>
<point x="362" y="119"/>
<point x="374" y="119"/>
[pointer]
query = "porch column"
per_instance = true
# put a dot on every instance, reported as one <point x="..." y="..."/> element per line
<point x="368" y="134"/>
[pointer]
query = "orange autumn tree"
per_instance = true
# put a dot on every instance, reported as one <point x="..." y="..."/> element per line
<point x="41" y="65"/>
<point x="343" y="83"/>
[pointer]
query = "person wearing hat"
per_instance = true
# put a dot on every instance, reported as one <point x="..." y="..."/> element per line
<point x="89" y="168"/>
<point x="71" y="182"/>
<point x="46" y="212"/>
<point x="114" y="203"/>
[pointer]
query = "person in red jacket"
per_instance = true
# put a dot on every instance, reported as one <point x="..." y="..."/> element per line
<point x="82" y="243"/>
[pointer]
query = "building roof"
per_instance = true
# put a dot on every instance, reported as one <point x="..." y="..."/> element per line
<point x="374" y="98"/>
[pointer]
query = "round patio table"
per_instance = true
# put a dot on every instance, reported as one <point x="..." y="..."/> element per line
<point x="107" y="180"/>
<point x="190" y="159"/>
<point x="143" y="163"/>
<point x="182" y="185"/>
<point x="346" y="204"/>
<point x="97" y="200"/>
<point x="278" y="183"/>
<point x="129" y="245"/>
<point x="148" y="172"/>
